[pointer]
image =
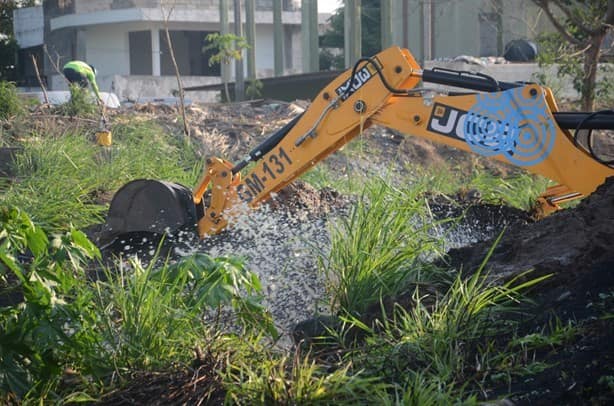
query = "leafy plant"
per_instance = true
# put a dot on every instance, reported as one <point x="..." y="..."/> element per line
<point x="134" y="318"/>
<point x="372" y="255"/>
<point x="228" y="47"/>
<point x="81" y="103"/>
<point x="38" y="335"/>
<point x="151" y="316"/>
<point x="254" y="89"/>
<point x="10" y="104"/>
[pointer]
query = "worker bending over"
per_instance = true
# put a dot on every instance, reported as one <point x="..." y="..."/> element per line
<point x="82" y="74"/>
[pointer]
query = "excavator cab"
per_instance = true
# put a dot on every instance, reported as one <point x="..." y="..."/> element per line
<point x="516" y="123"/>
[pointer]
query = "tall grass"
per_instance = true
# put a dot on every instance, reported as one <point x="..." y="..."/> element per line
<point x="68" y="179"/>
<point x="136" y="318"/>
<point x="10" y="104"/>
<point x="261" y="377"/>
<point x="379" y="248"/>
<point x="153" y="316"/>
<point x="433" y="353"/>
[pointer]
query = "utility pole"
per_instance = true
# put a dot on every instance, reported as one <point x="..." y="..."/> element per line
<point x="386" y="23"/>
<point x="239" y="74"/>
<point x="309" y="30"/>
<point x="224" y="29"/>
<point x="278" y="38"/>
<point x="427" y="33"/>
<point x="352" y="32"/>
<point x="250" y="28"/>
<point x="313" y="39"/>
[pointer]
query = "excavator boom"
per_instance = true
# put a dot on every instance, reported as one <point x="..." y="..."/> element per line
<point x="516" y="123"/>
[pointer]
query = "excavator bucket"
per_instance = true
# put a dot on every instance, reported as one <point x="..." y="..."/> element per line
<point x="149" y="206"/>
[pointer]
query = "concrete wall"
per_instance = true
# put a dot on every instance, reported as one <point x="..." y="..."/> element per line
<point x="463" y="27"/>
<point x="456" y="28"/>
<point x="520" y="72"/>
<point x="144" y="88"/>
<point x="29" y="26"/>
<point x="107" y="48"/>
<point x="89" y="6"/>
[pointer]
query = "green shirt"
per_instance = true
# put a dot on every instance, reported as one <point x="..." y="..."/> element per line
<point x="86" y="70"/>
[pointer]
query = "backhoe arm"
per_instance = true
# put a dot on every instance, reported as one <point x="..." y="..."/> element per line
<point x="339" y="112"/>
<point x="511" y="122"/>
<point x="515" y="126"/>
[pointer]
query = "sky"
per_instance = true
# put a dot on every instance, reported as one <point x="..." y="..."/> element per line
<point x="328" y="6"/>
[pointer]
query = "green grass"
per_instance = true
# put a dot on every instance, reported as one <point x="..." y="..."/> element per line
<point x="135" y="318"/>
<point x="431" y="351"/>
<point x="10" y="103"/>
<point x="519" y="189"/>
<point x="262" y="377"/>
<point x="379" y="248"/>
<point x="439" y="350"/>
<point x="67" y="179"/>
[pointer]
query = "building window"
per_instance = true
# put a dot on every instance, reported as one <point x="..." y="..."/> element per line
<point x="189" y="54"/>
<point x="139" y="43"/>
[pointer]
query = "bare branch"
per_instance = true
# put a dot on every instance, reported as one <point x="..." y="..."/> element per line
<point x="609" y="14"/>
<point x="186" y="128"/>
<point x="55" y="64"/>
<point x="574" y="18"/>
<point x="545" y="5"/>
<point x="40" y="81"/>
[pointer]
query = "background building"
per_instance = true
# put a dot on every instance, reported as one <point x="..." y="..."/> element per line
<point x="126" y="41"/>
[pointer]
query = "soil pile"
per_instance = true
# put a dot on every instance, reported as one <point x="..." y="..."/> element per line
<point x="574" y="247"/>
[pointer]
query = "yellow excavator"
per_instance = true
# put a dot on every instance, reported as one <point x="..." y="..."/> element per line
<point x="517" y="123"/>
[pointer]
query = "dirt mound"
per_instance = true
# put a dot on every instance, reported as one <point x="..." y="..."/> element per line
<point x="574" y="247"/>
<point x="302" y="198"/>
<point x="567" y="243"/>
<point x="186" y="386"/>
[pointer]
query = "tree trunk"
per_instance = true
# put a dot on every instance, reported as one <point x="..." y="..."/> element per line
<point x="591" y="61"/>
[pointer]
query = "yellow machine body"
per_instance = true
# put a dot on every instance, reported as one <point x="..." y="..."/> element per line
<point x="522" y="115"/>
<point x="514" y="125"/>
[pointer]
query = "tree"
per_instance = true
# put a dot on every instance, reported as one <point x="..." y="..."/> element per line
<point x="371" y="33"/>
<point x="229" y="47"/>
<point x="8" y="44"/>
<point x="581" y="27"/>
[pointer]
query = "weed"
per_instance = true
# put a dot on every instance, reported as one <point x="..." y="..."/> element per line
<point x="81" y="103"/>
<point x="439" y="336"/>
<point x="46" y="330"/>
<point x="254" y="89"/>
<point x="275" y="379"/>
<point x="151" y="316"/>
<point x="607" y="380"/>
<point x="371" y="255"/>
<point x="551" y="336"/>
<point x="67" y="180"/>
<point x="10" y="104"/>
<point x="135" y="318"/>
<point x="519" y="191"/>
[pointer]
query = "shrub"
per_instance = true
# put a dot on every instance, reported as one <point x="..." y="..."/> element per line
<point x="379" y="248"/>
<point x="10" y="104"/>
<point x="81" y="102"/>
